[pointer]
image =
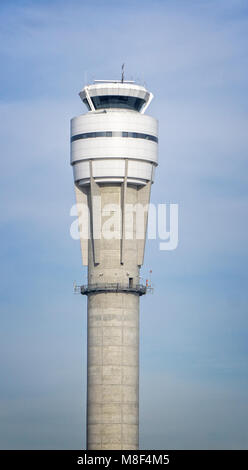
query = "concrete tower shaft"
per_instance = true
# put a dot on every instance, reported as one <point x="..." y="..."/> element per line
<point x="113" y="154"/>
<point x="113" y="342"/>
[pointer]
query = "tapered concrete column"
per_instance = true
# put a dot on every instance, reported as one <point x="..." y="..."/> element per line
<point x="113" y="340"/>
<point x="113" y="371"/>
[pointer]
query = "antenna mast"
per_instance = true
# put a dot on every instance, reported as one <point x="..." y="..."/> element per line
<point x="122" y="73"/>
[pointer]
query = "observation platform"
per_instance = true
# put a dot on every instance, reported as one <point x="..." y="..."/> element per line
<point x="112" y="287"/>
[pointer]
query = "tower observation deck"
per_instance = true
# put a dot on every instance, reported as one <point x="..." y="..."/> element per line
<point x="113" y="156"/>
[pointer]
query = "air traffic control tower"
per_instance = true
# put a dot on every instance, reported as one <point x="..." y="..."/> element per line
<point x="113" y="156"/>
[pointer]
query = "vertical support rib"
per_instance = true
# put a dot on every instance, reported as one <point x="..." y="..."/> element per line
<point x="95" y="209"/>
<point x="83" y="221"/>
<point x="123" y="211"/>
<point x="143" y="197"/>
<point x="92" y="107"/>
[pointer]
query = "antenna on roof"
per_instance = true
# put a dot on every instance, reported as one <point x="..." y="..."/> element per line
<point x="122" y="73"/>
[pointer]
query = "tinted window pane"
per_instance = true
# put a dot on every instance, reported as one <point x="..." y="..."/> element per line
<point x="85" y="101"/>
<point x="134" y="135"/>
<point x="117" y="101"/>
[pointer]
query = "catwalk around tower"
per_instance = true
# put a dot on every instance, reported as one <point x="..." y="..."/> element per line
<point x="113" y="155"/>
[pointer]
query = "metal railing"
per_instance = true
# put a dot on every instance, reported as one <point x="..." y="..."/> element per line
<point x="113" y="287"/>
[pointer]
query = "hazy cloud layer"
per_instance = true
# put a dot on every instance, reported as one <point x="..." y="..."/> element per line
<point x="193" y="57"/>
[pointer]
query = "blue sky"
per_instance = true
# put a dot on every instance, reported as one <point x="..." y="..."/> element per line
<point x="194" y="328"/>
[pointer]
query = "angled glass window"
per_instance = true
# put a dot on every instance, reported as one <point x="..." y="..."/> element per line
<point x="117" y="101"/>
<point x="85" y="101"/>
